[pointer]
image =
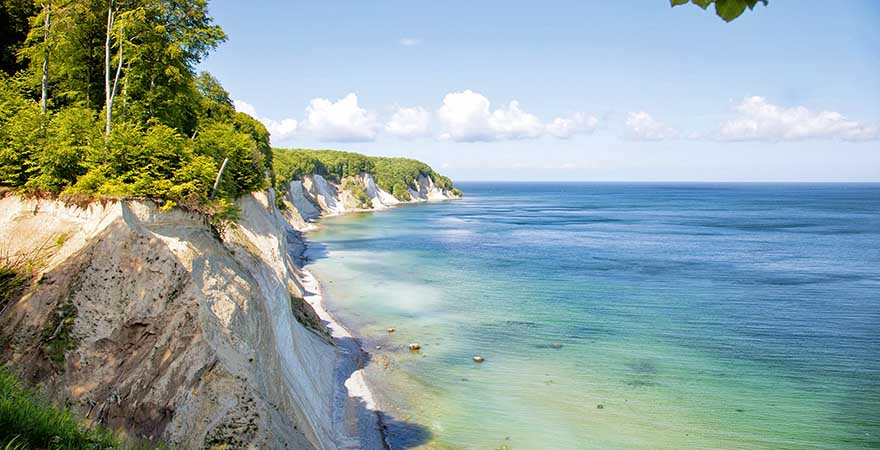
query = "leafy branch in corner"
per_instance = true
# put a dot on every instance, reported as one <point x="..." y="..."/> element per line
<point x="725" y="9"/>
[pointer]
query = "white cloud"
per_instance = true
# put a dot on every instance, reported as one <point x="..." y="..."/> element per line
<point x="279" y="130"/>
<point x="758" y="119"/>
<point x="514" y="123"/>
<point x="467" y="117"/>
<point x="410" y="42"/>
<point x="566" y="127"/>
<point x="244" y="107"/>
<point x="464" y="117"/>
<point x="641" y="126"/>
<point x="409" y="123"/>
<point x="340" y="121"/>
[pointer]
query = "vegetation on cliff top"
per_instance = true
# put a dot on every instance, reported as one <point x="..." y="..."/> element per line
<point x="393" y="175"/>
<point x="102" y="98"/>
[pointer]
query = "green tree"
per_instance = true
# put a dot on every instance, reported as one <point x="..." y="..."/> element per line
<point x="245" y="169"/>
<point x="726" y="9"/>
<point x="167" y="38"/>
<point x="71" y="139"/>
<point x="47" y="40"/>
<point x="15" y="22"/>
<point x="20" y="133"/>
<point x="215" y="104"/>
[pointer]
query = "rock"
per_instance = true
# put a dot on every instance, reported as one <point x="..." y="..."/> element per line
<point x="391" y="330"/>
<point x="478" y="359"/>
<point x="378" y="347"/>
<point x="600" y="406"/>
<point x="415" y="347"/>
<point x="555" y="345"/>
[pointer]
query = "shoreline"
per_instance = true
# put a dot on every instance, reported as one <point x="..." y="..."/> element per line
<point x="350" y="378"/>
<point x="357" y="403"/>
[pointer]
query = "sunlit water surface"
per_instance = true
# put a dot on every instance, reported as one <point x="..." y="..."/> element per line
<point x="686" y="316"/>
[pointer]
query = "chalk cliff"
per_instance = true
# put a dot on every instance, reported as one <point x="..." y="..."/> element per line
<point x="153" y="322"/>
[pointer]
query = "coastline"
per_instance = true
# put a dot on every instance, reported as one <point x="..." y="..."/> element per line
<point x="358" y="406"/>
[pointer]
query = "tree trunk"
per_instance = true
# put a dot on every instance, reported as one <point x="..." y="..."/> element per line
<point x="107" y="100"/>
<point x="217" y="180"/>
<point x="110" y="89"/>
<point x="44" y="98"/>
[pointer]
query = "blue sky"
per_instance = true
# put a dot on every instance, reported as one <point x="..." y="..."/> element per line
<point x="566" y="90"/>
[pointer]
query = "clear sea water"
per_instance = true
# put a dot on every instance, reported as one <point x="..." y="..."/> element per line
<point x="686" y="316"/>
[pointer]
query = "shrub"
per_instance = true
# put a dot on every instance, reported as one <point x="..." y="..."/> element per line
<point x="71" y="137"/>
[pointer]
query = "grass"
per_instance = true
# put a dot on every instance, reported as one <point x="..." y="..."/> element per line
<point x="15" y="274"/>
<point x="29" y="422"/>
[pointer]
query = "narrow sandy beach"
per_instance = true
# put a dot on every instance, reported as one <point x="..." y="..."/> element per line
<point x="355" y="406"/>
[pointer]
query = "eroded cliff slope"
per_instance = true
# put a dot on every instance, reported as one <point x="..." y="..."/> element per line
<point x="148" y="321"/>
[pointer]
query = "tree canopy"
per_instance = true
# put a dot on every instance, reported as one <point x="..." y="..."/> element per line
<point x="102" y="98"/>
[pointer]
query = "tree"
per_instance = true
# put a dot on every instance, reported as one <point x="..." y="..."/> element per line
<point x="15" y="22"/>
<point x="215" y="101"/>
<point x="726" y="9"/>
<point x="170" y="40"/>
<point x="47" y="37"/>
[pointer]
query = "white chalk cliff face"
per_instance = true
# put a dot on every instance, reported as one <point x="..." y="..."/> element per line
<point x="314" y="196"/>
<point x="147" y="321"/>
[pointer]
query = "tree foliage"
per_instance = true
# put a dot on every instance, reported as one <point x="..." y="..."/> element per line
<point x="171" y="127"/>
<point x="725" y="9"/>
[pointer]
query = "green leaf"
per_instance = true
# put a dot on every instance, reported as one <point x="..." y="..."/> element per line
<point x="729" y="9"/>
<point x="678" y="2"/>
<point x="703" y="3"/>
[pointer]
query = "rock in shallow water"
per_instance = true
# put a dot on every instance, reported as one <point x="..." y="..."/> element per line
<point x="415" y="347"/>
<point x="478" y="359"/>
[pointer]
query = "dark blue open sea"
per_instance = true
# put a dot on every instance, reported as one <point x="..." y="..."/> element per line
<point x="619" y="316"/>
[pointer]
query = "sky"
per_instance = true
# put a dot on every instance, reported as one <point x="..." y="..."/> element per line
<point x="566" y="90"/>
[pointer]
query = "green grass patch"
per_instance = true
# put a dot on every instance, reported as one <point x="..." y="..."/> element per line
<point x="29" y="422"/>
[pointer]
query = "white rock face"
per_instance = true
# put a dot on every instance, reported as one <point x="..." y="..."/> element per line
<point x="179" y="335"/>
<point x="315" y="196"/>
<point x="304" y="205"/>
<point x="378" y="197"/>
<point x="324" y="193"/>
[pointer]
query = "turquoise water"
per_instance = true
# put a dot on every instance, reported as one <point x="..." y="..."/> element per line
<point x="619" y="316"/>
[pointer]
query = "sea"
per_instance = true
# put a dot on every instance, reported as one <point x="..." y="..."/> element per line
<point x="617" y="315"/>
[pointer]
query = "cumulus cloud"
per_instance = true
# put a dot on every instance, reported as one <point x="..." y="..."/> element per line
<point x="640" y="126"/>
<point x="409" y="123"/>
<point x="514" y="123"/>
<point x="757" y="119"/>
<point x="467" y="117"/>
<point x="340" y="121"/>
<point x="566" y="127"/>
<point x="279" y="130"/>
<point x="409" y="42"/>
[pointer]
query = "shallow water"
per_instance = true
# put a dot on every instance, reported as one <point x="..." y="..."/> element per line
<point x="704" y="316"/>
